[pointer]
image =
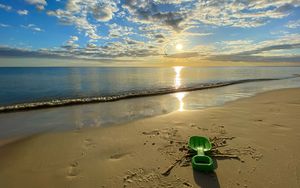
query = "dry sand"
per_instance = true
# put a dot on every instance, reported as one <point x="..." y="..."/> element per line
<point x="262" y="131"/>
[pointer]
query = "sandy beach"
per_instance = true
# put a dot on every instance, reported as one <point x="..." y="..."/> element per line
<point x="258" y="138"/>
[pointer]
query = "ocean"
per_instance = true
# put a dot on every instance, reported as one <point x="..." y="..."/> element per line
<point x="95" y="97"/>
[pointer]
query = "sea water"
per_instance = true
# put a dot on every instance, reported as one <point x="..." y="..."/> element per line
<point x="126" y="93"/>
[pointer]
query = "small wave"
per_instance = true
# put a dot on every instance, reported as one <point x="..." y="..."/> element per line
<point x="126" y="95"/>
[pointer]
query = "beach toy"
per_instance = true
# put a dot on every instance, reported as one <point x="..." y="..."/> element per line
<point x="200" y="161"/>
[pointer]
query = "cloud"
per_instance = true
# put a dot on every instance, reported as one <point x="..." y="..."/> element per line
<point x="104" y="11"/>
<point x="18" y="52"/>
<point x="134" y="48"/>
<point x="271" y="50"/>
<point x="116" y="31"/>
<point x="171" y="1"/>
<point x="81" y="22"/>
<point x="141" y="28"/>
<point x="22" y="12"/>
<point x="73" y="39"/>
<point x="183" y="55"/>
<point x="152" y="18"/>
<point x="237" y="13"/>
<point x="5" y="7"/>
<point x="100" y="9"/>
<point x="159" y="36"/>
<point x="221" y="13"/>
<point x="70" y="44"/>
<point x="241" y="13"/>
<point x="4" y="25"/>
<point x="181" y="15"/>
<point x="293" y="24"/>
<point x="294" y="59"/>
<point x="9" y="8"/>
<point x="32" y="27"/>
<point x="237" y="42"/>
<point x="148" y="12"/>
<point x="127" y="48"/>
<point x="199" y="34"/>
<point x="39" y="4"/>
<point x="77" y="13"/>
<point x="234" y="46"/>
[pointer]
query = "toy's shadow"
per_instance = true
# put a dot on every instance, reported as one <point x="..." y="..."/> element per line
<point x="207" y="180"/>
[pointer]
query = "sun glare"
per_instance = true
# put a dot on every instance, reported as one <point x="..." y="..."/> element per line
<point x="179" y="46"/>
<point x="177" y="79"/>
<point x="180" y="97"/>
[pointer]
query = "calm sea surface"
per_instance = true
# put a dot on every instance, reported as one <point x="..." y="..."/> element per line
<point x="36" y="85"/>
<point x="21" y="85"/>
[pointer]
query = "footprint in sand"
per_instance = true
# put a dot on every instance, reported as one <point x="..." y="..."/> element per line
<point x="152" y="178"/>
<point x="153" y="133"/>
<point x="73" y="170"/>
<point x="166" y="134"/>
<point x="220" y="129"/>
<point x="281" y="127"/>
<point x="118" y="156"/>
<point x="88" y="143"/>
<point x="169" y="134"/>
<point x="192" y="125"/>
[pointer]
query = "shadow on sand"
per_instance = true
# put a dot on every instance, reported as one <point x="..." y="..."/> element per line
<point x="207" y="180"/>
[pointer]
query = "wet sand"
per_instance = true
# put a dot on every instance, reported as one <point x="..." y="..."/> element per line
<point x="261" y="136"/>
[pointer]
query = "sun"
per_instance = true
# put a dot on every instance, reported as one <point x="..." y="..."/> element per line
<point x="179" y="46"/>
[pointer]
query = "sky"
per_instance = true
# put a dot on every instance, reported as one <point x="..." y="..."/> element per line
<point x="144" y="32"/>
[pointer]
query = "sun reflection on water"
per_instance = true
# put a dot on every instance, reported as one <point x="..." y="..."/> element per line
<point x="180" y="97"/>
<point x="177" y="79"/>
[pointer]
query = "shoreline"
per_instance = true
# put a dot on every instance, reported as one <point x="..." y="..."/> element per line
<point x="136" y="153"/>
<point x="127" y="95"/>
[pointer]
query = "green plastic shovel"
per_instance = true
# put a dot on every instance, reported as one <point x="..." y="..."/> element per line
<point x="201" y="161"/>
